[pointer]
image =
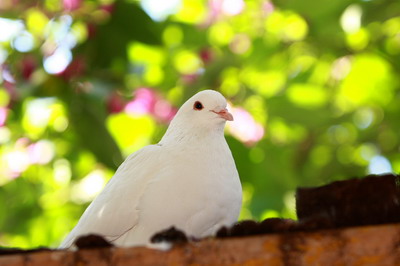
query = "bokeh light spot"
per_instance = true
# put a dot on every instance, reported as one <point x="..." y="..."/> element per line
<point x="17" y="161"/>
<point x="269" y="214"/>
<point x="160" y="9"/>
<point x="358" y="40"/>
<point x="248" y="191"/>
<point x="145" y="54"/>
<point x="356" y="89"/>
<point x="240" y="44"/>
<point x="172" y="35"/>
<point x="307" y="95"/>
<point x="70" y="5"/>
<point x="41" y="152"/>
<point x="36" y="21"/>
<point x="232" y="7"/>
<point x="89" y="187"/>
<point x="363" y="118"/>
<point x="24" y="42"/>
<point x="131" y="132"/>
<point x="321" y="155"/>
<point x="37" y="113"/>
<point x="256" y="155"/>
<point x="341" y="68"/>
<point x="80" y="31"/>
<point x="9" y="29"/>
<point x="3" y="116"/>
<point x="351" y="18"/>
<point x="368" y="151"/>
<point x="3" y="57"/>
<point x="220" y="33"/>
<point x="60" y="124"/>
<point x="345" y="155"/>
<point x="5" y="134"/>
<point x="244" y="127"/>
<point x="290" y="204"/>
<point x="287" y="25"/>
<point x="379" y="165"/>
<point x="191" y="11"/>
<point x="187" y="62"/>
<point x="62" y="172"/>
<point x="58" y="61"/>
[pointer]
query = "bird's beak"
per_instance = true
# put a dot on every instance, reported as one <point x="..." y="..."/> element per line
<point x="224" y="114"/>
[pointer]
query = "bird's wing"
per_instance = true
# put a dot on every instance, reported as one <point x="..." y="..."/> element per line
<point x="114" y="211"/>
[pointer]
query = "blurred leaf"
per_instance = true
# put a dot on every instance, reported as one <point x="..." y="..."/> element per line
<point x="128" y="23"/>
<point x="23" y="204"/>
<point x="89" y="123"/>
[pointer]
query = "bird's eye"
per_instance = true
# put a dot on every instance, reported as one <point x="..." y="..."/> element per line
<point x="198" y="106"/>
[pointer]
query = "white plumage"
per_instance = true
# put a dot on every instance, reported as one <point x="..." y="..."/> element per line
<point x="188" y="180"/>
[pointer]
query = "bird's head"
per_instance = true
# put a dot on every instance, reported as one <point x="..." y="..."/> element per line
<point x="203" y="112"/>
<point x="205" y="108"/>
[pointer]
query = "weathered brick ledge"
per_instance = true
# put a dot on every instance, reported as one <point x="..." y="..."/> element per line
<point x="368" y="245"/>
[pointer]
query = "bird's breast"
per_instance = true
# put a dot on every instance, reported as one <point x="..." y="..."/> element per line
<point x="194" y="193"/>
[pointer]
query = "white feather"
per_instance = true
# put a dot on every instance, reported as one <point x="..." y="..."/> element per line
<point x="189" y="180"/>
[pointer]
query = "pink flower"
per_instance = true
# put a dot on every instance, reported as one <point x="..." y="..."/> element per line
<point x="164" y="111"/>
<point x="143" y="102"/>
<point x="28" y="66"/>
<point x="147" y="101"/>
<point x="3" y="116"/>
<point x="206" y="55"/>
<point x="189" y="78"/>
<point x="115" y="103"/>
<point x="41" y="152"/>
<point x="108" y="8"/>
<point x="75" y="69"/>
<point x="244" y="127"/>
<point x="70" y="5"/>
<point x="267" y="7"/>
<point x="226" y="7"/>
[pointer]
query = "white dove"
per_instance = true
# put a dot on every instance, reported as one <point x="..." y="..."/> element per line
<point x="188" y="180"/>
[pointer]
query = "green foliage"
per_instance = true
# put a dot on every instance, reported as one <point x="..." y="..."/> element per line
<point x="313" y="85"/>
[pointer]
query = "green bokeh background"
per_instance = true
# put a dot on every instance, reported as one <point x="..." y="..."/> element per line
<point x="321" y="78"/>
